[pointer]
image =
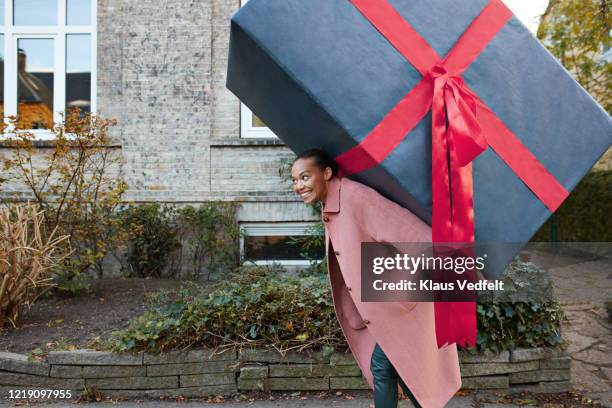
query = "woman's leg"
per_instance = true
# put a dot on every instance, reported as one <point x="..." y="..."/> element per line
<point x="386" y="380"/>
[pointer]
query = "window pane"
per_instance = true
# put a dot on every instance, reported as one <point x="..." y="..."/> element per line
<point x="256" y="122"/>
<point x="275" y="248"/>
<point x="1" y="12"/>
<point x="78" y="12"/>
<point x="35" y="82"/>
<point x="35" y="12"/>
<point x="78" y="71"/>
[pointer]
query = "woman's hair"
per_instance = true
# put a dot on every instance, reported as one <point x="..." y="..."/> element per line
<point x="321" y="159"/>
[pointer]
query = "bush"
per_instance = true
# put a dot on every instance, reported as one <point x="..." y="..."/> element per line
<point x="585" y="215"/>
<point x="27" y="257"/>
<point x="78" y="183"/>
<point x="266" y="307"/>
<point x="153" y="238"/>
<point x="254" y="306"/>
<point x="163" y="237"/>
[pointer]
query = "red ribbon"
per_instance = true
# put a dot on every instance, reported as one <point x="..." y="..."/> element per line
<point x="463" y="126"/>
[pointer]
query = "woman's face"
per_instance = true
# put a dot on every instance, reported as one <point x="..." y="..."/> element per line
<point x="309" y="181"/>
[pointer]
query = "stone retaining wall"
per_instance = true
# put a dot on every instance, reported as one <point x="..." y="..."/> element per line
<point x="197" y="373"/>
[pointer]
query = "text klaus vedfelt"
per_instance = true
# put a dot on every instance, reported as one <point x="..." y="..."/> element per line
<point x="413" y="264"/>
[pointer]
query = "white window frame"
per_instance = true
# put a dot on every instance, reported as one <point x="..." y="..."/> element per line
<point x="272" y="229"/>
<point x="58" y="35"/>
<point x="247" y="130"/>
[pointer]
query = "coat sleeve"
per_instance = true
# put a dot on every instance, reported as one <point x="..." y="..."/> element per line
<point x="387" y="221"/>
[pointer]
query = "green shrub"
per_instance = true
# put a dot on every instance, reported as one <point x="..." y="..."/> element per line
<point x="154" y="238"/>
<point x="213" y="237"/>
<point x="585" y="215"/>
<point x="255" y="306"/>
<point x="267" y="307"/>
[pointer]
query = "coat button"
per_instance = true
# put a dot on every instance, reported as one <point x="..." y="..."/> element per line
<point x="349" y="288"/>
<point x="337" y="252"/>
<point x="366" y="321"/>
<point x="325" y="218"/>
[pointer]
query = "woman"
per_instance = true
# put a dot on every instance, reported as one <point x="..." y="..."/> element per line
<point x="353" y="213"/>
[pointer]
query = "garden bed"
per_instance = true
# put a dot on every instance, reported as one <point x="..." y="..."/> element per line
<point x="203" y="372"/>
<point x="60" y="321"/>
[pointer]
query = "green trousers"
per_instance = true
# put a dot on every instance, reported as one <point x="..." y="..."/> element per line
<point x="386" y="380"/>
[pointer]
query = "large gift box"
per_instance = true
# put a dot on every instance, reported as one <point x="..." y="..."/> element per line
<point x="396" y="88"/>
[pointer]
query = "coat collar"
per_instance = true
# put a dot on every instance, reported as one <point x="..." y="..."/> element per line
<point x="332" y="201"/>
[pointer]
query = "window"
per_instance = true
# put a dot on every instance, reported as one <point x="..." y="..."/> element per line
<point x="267" y="243"/>
<point x="250" y="125"/>
<point x="48" y="57"/>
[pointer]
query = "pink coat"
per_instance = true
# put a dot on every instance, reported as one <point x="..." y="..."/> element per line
<point x="355" y="213"/>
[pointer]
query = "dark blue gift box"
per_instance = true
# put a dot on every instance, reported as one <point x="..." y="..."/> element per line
<point x="319" y="74"/>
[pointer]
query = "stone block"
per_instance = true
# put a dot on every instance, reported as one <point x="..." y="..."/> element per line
<point x="485" y="383"/>
<point x="114" y="371"/>
<point x="248" y="384"/>
<point x="66" y="371"/>
<point x="198" y="380"/>
<point x="19" y="363"/>
<point x="348" y="383"/>
<point x="526" y="377"/>
<point x="554" y="386"/>
<point x="189" y="356"/>
<point x="342" y="359"/>
<point x="313" y="370"/>
<point x="503" y="357"/>
<point x="133" y="383"/>
<point x="26" y="380"/>
<point x="538" y="353"/>
<point x="251" y="371"/>
<point x="475" y="370"/>
<point x="93" y="357"/>
<point x="559" y="374"/>
<point x="220" y="366"/>
<point x="273" y="356"/>
<point x="298" y="384"/>
<point x="556" y="362"/>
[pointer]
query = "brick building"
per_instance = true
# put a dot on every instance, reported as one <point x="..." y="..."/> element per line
<point x="159" y="68"/>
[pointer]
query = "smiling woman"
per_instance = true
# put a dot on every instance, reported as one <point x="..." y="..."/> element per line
<point x="311" y="171"/>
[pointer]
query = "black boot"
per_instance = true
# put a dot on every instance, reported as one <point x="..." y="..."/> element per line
<point x="386" y="380"/>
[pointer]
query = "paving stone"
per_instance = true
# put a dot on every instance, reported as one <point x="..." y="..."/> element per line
<point x="221" y="366"/>
<point x="348" y="383"/>
<point x="19" y="363"/>
<point x="594" y="356"/>
<point x="474" y="370"/>
<point x="7" y="378"/>
<point x="198" y="380"/>
<point x="298" y="384"/>
<point x="503" y="357"/>
<point x="133" y="383"/>
<point x="251" y="371"/>
<point x="313" y="370"/>
<point x="486" y="382"/>
<point x="189" y="356"/>
<point x="577" y="342"/>
<point x="93" y="357"/>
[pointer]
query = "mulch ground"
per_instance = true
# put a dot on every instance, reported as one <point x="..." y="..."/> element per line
<point x="60" y="321"/>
